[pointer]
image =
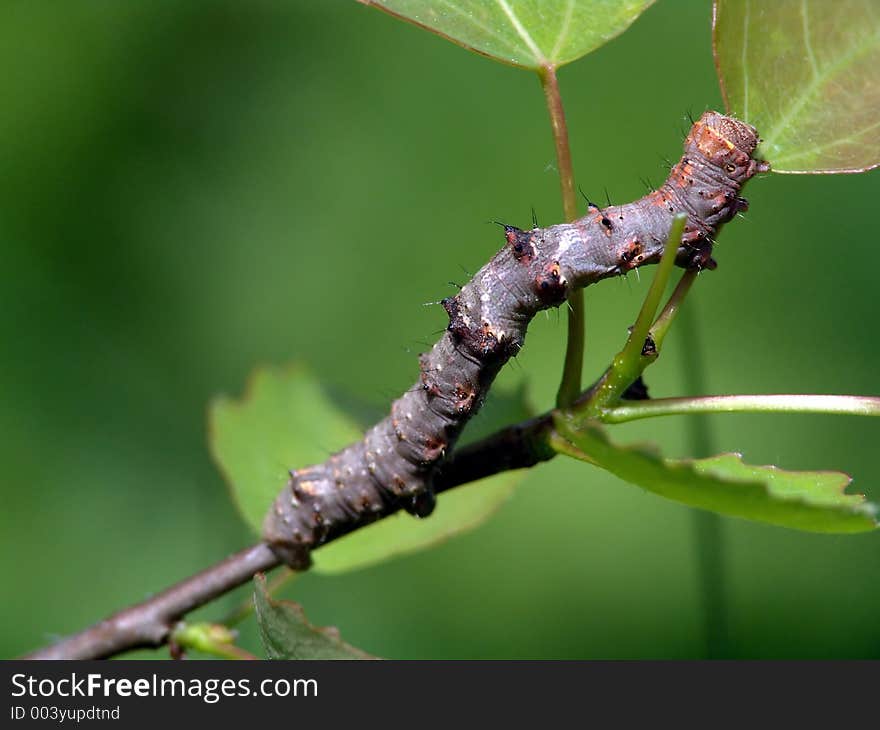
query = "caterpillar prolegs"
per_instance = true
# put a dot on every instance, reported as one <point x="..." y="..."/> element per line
<point x="392" y="467"/>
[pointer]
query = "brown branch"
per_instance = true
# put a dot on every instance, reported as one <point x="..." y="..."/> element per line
<point x="149" y="624"/>
<point x="520" y="446"/>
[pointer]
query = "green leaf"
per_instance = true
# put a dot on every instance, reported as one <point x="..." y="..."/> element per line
<point x="806" y="74"/>
<point x="813" y="501"/>
<point x="287" y="634"/>
<point x="288" y="420"/>
<point x="526" y="33"/>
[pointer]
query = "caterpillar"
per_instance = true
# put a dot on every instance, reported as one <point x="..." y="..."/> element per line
<point x="392" y="467"/>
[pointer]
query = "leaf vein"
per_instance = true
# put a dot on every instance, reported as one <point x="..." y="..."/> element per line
<point x="811" y="89"/>
<point x="522" y="32"/>
<point x="563" y="31"/>
<point x="805" y="22"/>
<point x="502" y="39"/>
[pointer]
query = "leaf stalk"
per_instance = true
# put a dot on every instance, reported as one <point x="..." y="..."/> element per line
<point x="570" y="385"/>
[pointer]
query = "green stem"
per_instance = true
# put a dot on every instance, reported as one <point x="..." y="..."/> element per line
<point x="630" y="362"/>
<point x="711" y="569"/>
<point x="570" y="385"/>
<point x="851" y="405"/>
<point x="632" y="350"/>
<point x="707" y="526"/>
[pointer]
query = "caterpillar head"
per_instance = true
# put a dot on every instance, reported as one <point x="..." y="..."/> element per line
<point x="727" y="143"/>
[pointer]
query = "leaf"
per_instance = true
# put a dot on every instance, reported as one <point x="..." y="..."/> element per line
<point x="287" y="634"/>
<point x="288" y="420"/>
<point x="526" y="33"/>
<point x="813" y="501"/>
<point x="806" y="74"/>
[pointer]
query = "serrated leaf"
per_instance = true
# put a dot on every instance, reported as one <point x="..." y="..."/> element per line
<point x="806" y="74"/>
<point x="526" y="33"/>
<point x="287" y="634"/>
<point x="813" y="501"/>
<point x="286" y="419"/>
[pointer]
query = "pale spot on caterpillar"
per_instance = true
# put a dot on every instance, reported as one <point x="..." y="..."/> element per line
<point x="566" y="244"/>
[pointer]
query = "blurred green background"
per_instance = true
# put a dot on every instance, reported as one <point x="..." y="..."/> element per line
<point x="191" y="189"/>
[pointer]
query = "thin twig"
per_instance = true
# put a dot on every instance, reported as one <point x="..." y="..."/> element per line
<point x="150" y="624"/>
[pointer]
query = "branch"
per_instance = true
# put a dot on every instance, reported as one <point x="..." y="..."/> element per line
<point x="519" y="446"/>
<point x="150" y="624"/>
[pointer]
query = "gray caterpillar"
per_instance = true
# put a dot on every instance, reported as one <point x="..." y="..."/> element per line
<point x="393" y="466"/>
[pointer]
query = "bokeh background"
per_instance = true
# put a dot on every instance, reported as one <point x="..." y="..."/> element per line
<point x="190" y="189"/>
